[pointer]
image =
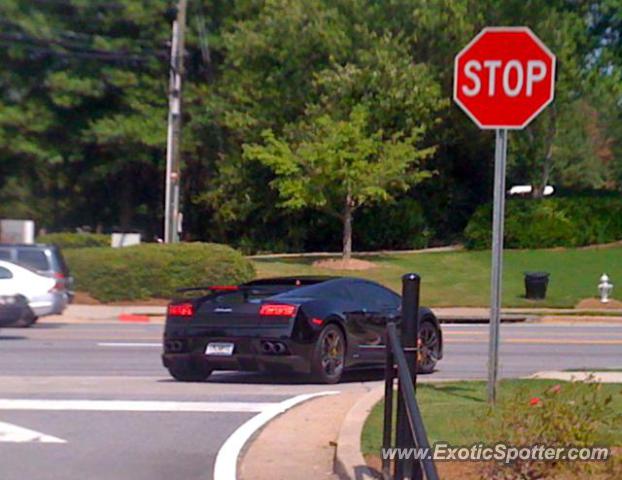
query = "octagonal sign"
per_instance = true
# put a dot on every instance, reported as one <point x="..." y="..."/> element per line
<point x="504" y="77"/>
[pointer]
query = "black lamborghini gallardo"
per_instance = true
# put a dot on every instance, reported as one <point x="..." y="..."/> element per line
<point x="312" y="325"/>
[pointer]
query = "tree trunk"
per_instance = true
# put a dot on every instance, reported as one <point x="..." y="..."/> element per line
<point x="347" y="228"/>
<point x="538" y="190"/>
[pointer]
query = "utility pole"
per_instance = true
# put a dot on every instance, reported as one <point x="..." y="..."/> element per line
<point x="173" y="140"/>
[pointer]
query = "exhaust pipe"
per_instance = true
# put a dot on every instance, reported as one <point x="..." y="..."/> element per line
<point x="273" y="348"/>
<point x="174" y="346"/>
<point x="267" y="347"/>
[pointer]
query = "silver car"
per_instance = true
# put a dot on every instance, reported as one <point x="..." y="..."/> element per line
<point x="44" y="259"/>
<point x="28" y="294"/>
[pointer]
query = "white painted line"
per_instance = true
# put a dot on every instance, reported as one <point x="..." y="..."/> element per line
<point x="225" y="467"/>
<point x="133" y="405"/>
<point x="464" y="325"/>
<point x="129" y="344"/>
<point x="13" y="433"/>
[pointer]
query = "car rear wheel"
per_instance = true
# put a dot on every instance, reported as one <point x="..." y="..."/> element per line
<point x="429" y="347"/>
<point x="27" y="320"/>
<point x="189" y="373"/>
<point x="329" y="355"/>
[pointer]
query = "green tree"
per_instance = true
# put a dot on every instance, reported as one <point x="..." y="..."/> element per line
<point x="582" y="34"/>
<point x="339" y="165"/>
<point x="291" y="61"/>
<point x="83" y="107"/>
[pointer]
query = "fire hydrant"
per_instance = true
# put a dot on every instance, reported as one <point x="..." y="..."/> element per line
<point x="605" y="288"/>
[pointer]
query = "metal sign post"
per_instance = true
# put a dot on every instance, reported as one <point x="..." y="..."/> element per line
<point x="498" y="214"/>
<point x="503" y="79"/>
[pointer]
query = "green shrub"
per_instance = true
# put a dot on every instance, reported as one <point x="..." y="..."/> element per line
<point x="575" y="414"/>
<point x="67" y="240"/>
<point x="155" y="270"/>
<point x="554" y="222"/>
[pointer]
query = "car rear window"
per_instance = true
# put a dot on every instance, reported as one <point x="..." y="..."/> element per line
<point x="59" y="262"/>
<point x="35" y="259"/>
<point x="287" y="282"/>
<point x="5" y="273"/>
<point x="330" y="288"/>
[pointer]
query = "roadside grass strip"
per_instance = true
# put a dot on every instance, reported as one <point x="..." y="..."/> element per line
<point x="462" y="278"/>
<point x="456" y="412"/>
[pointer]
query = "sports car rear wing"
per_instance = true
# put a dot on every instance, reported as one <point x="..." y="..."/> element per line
<point x="215" y="288"/>
<point x="246" y="290"/>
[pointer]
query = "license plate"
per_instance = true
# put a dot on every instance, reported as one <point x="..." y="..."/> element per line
<point x="224" y="349"/>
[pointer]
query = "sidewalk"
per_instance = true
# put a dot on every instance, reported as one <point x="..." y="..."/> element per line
<point x="75" y="313"/>
<point x="595" y="376"/>
<point x="476" y="315"/>
<point x="542" y="315"/>
<point x="301" y="443"/>
<point x="322" y="436"/>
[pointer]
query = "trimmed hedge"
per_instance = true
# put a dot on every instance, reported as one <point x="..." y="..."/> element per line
<point x="155" y="270"/>
<point x="66" y="240"/>
<point x="551" y="222"/>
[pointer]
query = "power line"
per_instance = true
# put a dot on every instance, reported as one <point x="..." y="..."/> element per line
<point x="119" y="58"/>
<point x="68" y="3"/>
<point x="74" y="36"/>
<point x="28" y="40"/>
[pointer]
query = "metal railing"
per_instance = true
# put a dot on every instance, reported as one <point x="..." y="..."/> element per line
<point x="401" y="351"/>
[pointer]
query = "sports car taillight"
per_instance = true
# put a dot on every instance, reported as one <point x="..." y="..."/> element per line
<point x="277" y="310"/>
<point x="181" y="310"/>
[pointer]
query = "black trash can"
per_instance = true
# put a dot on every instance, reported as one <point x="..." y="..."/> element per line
<point x="535" y="285"/>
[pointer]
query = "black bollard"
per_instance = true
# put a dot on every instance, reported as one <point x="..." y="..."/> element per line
<point x="411" y="283"/>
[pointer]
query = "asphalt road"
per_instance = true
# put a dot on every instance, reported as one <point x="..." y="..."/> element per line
<point x="93" y="401"/>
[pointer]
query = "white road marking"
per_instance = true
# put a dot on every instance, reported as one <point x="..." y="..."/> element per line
<point x="133" y="405"/>
<point x="225" y="467"/>
<point x="15" y="434"/>
<point x="130" y="344"/>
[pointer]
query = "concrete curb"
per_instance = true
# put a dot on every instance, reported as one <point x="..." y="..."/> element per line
<point x="66" y="320"/>
<point x="349" y="461"/>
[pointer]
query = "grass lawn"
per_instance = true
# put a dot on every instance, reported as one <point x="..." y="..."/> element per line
<point x="462" y="278"/>
<point x="456" y="412"/>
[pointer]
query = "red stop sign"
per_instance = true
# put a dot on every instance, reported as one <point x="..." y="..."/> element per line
<point x="504" y="77"/>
